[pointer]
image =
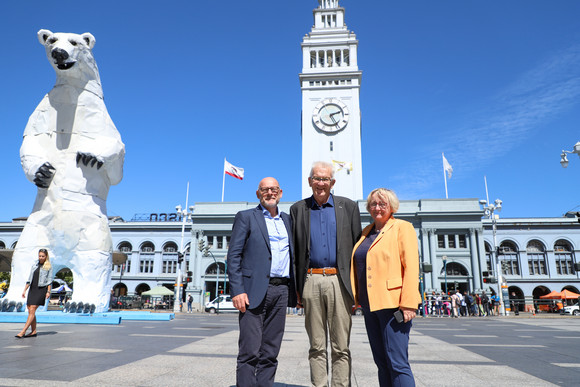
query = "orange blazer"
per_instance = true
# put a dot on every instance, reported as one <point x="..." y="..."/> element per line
<point x="392" y="268"/>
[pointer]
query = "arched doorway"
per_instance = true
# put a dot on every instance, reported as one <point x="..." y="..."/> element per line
<point x="571" y="288"/>
<point x="540" y="291"/>
<point x="457" y="278"/>
<point x="142" y="288"/>
<point x="120" y="289"/>
<point x="216" y="284"/>
<point x="516" y="298"/>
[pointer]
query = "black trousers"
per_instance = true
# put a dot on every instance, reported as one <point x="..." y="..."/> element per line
<point x="261" y="332"/>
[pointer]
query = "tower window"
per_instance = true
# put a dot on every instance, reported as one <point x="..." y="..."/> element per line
<point x="331" y="146"/>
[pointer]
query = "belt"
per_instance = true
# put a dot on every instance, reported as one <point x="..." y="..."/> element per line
<point x="323" y="270"/>
<point x="279" y="281"/>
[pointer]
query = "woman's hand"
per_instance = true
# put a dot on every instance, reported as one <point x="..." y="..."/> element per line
<point x="408" y="313"/>
<point x="24" y="294"/>
<point x="48" y="295"/>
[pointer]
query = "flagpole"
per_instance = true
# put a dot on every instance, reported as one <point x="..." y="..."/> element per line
<point x="486" y="194"/>
<point x="224" y="180"/>
<point x="444" y="176"/>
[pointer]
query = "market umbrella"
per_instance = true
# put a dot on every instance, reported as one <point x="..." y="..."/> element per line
<point x="158" y="291"/>
<point x="62" y="288"/>
<point x="552" y="294"/>
<point x="566" y="294"/>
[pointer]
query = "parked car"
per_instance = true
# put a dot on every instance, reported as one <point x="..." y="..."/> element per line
<point x="225" y="304"/>
<point x="572" y="309"/>
<point x="357" y="310"/>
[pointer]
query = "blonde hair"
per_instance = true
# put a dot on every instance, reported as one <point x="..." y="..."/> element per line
<point x="387" y="195"/>
<point x="46" y="265"/>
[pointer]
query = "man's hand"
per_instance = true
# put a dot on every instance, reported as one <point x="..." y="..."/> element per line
<point x="241" y="302"/>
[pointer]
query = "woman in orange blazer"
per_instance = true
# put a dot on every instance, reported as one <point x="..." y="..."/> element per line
<point x="385" y="282"/>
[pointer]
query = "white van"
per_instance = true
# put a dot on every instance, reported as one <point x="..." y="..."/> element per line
<point x="225" y="304"/>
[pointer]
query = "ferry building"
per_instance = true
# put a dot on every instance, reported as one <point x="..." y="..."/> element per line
<point x="456" y="241"/>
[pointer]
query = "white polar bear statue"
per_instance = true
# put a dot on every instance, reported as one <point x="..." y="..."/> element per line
<point x="73" y="152"/>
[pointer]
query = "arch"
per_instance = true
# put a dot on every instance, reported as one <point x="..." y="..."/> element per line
<point x="147" y="247"/>
<point x="65" y="275"/>
<point x="517" y="298"/>
<point x="2" y="245"/>
<point x="120" y="289"/>
<point x="540" y="291"/>
<point x="14" y="244"/>
<point x="571" y="288"/>
<point x="142" y="288"/>
<point x="170" y="247"/>
<point x="212" y="269"/>
<point x="536" y="252"/>
<point x="509" y="257"/>
<point x="125" y="247"/>
<point x="455" y="269"/>
<point x="564" y="257"/>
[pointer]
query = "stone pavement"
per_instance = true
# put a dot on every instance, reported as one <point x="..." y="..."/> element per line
<point x="198" y="359"/>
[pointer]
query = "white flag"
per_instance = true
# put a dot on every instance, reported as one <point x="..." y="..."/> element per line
<point x="233" y="171"/>
<point x="447" y="167"/>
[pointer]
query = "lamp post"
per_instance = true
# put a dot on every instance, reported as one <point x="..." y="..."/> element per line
<point x="564" y="159"/>
<point x="489" y="210"/>
<point x="444" y="258"/>
<point x="185" y="216"/>
<point x="206" y="253"/>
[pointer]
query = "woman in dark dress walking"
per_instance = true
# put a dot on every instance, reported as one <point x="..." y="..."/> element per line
<point x="40" y="283"/>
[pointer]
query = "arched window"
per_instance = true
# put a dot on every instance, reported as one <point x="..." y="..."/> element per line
<point x="170" y="262"/>
<point x="536" y="257"/>
<point x="564" y="257"/>
<point x="2" y="245"/>
<point x="488" y="256"/>
<point x="126" y="248"/>
<point x="146" y="257"/>
<point x="455" y="269"/>
<point x="212" y="269"/>
<point x="509" y="258"/>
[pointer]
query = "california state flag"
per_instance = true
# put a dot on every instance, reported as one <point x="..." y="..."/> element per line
<point x="233" y="171"/>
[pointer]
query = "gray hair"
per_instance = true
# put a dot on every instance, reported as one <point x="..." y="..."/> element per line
<point x="324" y="165"/>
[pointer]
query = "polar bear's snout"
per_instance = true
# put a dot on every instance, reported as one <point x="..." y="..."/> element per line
<point x="60" y="57"/>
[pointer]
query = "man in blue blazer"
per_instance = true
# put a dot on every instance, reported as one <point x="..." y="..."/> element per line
<point x="261" y="275"/>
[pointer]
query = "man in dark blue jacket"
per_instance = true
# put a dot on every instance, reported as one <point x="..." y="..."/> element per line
<point x="261" y="275"/>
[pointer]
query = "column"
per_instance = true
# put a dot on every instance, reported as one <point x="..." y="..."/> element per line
<point x="475" y="260"/>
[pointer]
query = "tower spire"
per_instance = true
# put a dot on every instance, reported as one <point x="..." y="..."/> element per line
<point x="327" y="4"/>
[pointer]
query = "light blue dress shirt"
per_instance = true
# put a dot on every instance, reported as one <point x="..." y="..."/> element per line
<point x="279" y="244"/>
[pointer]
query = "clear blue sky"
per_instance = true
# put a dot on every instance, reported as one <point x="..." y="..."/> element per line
<point x="495" y="85"/>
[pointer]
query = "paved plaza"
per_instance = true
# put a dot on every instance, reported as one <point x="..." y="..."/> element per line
<point x="200" y="350"/>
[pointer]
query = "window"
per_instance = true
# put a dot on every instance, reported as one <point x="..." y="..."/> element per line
<point x="451" y="241"/>
<point x="536" y="258"/>
<point x="146" y="257"/>
<point x="488" y="256"/>
<point x="441" y="241"/>
<point x="210" y="241"/>
<point x="126" y="248"/>
<point x="228" y="242"/>
<point x="462" y="241"/>
<point x="170" y="263"/>
<point x="212" y="269"/>
<point x="564" y="257"/>
<point x="220" y="242"/>
<point x="509" y="258"/>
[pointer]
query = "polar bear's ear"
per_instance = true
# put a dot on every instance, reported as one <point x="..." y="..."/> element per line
<point x="89" y="39"/>
<point x="43" y="36"/>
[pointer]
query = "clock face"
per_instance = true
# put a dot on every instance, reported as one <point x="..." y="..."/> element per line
<point x="330" y="115"/>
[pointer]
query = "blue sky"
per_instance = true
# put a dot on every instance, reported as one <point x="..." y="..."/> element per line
<point x="495" y="85"/>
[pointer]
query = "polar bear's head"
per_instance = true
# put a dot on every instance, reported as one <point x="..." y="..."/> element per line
<point x="70" y="54"/>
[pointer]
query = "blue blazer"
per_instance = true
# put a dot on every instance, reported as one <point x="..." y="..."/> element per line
<point x="250" y="257"/>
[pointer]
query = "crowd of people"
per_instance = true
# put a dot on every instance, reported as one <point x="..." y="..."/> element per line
<point x="457" y="304"/>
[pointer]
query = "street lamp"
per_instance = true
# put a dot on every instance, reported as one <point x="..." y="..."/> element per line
<point x="564" y="159"/>
<point x="444" y="258"/>
<point x="206" y="253"/>
<point x="185" y="216"/>
<point x="489" y="213"/>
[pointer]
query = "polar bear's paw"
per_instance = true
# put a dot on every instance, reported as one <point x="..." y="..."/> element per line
<point x="89" y="160"/>
<point x="44" y="175"/>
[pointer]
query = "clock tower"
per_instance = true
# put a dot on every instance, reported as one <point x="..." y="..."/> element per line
<point x="331" y="119"/>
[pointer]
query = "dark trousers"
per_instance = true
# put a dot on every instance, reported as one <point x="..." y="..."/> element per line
<point x="261" y="331"/>
<point x="389" y="342"/>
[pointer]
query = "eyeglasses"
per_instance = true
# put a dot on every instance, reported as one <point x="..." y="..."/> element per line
<point x="382" y="206"/>
<point x="274" y="190"/>
<point x="322" y="179"/>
